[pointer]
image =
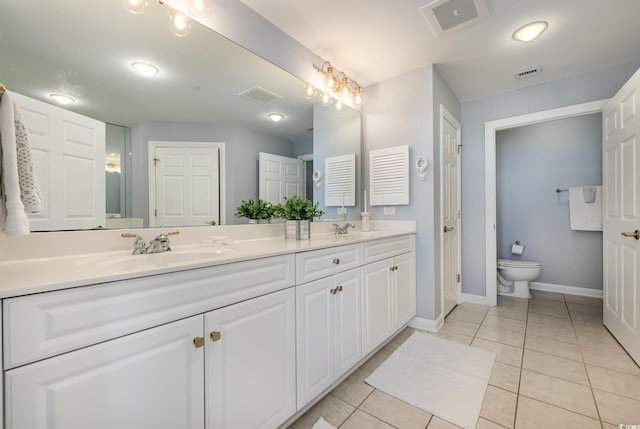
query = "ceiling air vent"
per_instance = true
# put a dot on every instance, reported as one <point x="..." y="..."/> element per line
<point x="528" y="73"/>
<point x="259" y="95"/>
<point x="448" y="16"/>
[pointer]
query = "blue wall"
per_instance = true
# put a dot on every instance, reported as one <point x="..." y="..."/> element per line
<point x="531" y="162"/>
<point x="597" y="85"/>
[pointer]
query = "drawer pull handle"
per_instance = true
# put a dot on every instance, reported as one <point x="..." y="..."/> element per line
<point x="198" y="342"/>
<point x="339" y="288"/>
<point x="333" y="291"/>
<point x="215" y="335"/>
<point x="336" y="261"/>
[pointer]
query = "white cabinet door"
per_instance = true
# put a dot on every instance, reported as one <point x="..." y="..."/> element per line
<point x="404" y="289"/>
<point x="250" y="364"/>
<point x="152" y="379"/>
<point x="347" y="323"/>
<point x="328" y="332"/>
<point x="377" y="315"/>
<point x="314" y="338"/>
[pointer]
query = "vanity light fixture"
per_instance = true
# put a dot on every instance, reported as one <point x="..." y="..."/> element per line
<point x="135" y="6"/>
<point x="309" y="91"/>
<point x="276" y="117"/>
<point x="338" y="106"/>
<point x="326" y="99"/>
<point x="199" y="8"/>
<point x="341" y="84"/>
<point x="179" y="23"/>
<point x="62" y="98"/>
<point x="528" y="32"/>
<point x="145" y="69"/>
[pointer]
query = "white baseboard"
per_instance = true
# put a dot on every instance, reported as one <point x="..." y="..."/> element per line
<point x="427" y="324"/>
<point x="569" y="290"/>
<point x="474" y="299"/>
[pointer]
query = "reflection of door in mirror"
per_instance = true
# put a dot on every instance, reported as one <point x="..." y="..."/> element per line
<point x="185" y="188"/>
<point x="279" y="177"/>
<point x="114" y="171"/>
<point x="68" y="156"/>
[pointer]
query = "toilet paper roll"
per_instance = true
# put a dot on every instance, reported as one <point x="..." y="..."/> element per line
<point x="517" y="249"/>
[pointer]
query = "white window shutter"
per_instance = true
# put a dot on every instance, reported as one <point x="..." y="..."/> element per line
<point x="389" y="176"/>
<point x="340" y="180"/>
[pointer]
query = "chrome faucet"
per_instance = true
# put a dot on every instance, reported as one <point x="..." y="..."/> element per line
<point x="159" y="244"/>
<point x="344" y="229"/>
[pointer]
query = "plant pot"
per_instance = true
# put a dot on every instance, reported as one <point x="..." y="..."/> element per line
<point x="297" y="229"/>
<point x="260" y="221"/>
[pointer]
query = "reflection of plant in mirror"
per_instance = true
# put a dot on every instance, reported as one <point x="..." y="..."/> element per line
<point x="260" y="209"/>
<point x="295" y="208"/>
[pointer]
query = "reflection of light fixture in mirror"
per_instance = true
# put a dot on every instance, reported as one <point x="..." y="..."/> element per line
<point x="135" y="6"/>
<point x="180" y="25"/>
<point x="528" y="32"/>
<point x="338" y="106"/>
<point x="199" y="8"/>
<point x="62" y="99"/>
<point x="326" y="99"/>
<point x="309" y="91"/>
<point x="110" y="167"/>
<point x="275" y="117"/>
<point x="145" y="69"/>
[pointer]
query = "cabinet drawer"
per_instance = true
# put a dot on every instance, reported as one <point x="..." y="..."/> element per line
<point x="381" y="249"/>
<point x="43" y="325"/>
<point x="322" y="263"/>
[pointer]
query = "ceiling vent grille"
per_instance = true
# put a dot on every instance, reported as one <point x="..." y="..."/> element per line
<point x="448" y="16"/>
<point x="259" y="95"/>
<point x="528" y="73"/>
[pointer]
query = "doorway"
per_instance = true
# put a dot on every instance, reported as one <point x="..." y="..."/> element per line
<point x="490" y="177"/>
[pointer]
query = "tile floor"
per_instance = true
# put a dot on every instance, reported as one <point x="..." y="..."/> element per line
<point x="556" y="367"/>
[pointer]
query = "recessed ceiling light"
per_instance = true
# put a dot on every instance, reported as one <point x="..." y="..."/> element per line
<point x="528" y="32"/>
<point x="145" y="69"/>
<point x="62" y="99"/>
<point x="275" y="117"/>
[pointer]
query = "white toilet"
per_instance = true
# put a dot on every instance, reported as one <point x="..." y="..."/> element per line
<point x="514" y="277"/>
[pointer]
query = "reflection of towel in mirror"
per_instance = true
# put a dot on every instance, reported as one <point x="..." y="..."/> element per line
<point x="19" y="190"/>
<point x="589" y="194"/>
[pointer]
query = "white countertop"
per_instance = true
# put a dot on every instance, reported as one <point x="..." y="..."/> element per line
<point x="43" y="274"/>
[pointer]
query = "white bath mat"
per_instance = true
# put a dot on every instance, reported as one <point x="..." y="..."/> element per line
<point x="442" y="377"/>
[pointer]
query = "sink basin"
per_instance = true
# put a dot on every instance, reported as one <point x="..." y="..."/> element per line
<point x="130" y="262"/>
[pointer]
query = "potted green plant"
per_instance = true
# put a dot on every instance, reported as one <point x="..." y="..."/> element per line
<point x="297" y="214"/>
<point x="260" y="211"/>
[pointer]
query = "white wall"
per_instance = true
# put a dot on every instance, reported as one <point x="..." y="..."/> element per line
<point x="531" y="162"/>
<point x="583" y="88"/>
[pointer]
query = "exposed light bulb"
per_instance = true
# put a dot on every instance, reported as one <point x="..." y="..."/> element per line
<point x="62" y="98"/>
<point x="338" y="106"/>
<point x="309" y="91"/>
<point x="199" y="8"/>
<point x="135" y="6"/>
<point x="180" y="24"/>
<point x="357" y="98"/>
<point x="326" y="99"/>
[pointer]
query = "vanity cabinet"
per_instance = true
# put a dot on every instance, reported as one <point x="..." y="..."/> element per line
<point x="250" y="363"/>
<point x="151" y="379"/>
<point x="328" y="332"/>
<point x="388" y="297"/>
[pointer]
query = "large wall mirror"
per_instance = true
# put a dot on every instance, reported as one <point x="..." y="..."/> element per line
<point x="209" y="92"/>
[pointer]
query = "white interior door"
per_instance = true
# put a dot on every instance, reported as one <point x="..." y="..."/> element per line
<point x="187" y="182"/>
<point x="621" y="166"/>
<point x="280" y="177"/>
<point x="450" y="203"/>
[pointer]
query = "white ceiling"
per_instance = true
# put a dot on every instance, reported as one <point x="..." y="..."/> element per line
<point x="374" y="40"/>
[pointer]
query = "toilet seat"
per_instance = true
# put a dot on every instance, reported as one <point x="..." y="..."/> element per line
<point x="510" y="263"/>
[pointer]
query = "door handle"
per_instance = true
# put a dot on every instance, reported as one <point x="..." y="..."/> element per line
<point x="212" y="223"/>
<point x="635" y="234"/>
<point x="448" y="229"/>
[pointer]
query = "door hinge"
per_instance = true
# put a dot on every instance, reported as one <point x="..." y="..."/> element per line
<point x="459" y="148"/>
<point x="155" y="212"/>
<point x="458" y="278"/>
<point x="155" y="161"/>
<point x="458" y="214"/>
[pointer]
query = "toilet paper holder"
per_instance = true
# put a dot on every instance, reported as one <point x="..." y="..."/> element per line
<point x="517" y="248"/>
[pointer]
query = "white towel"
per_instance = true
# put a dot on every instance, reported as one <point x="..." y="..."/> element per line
<point x="585" y="216"/>
<point x="19" y="190"/>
